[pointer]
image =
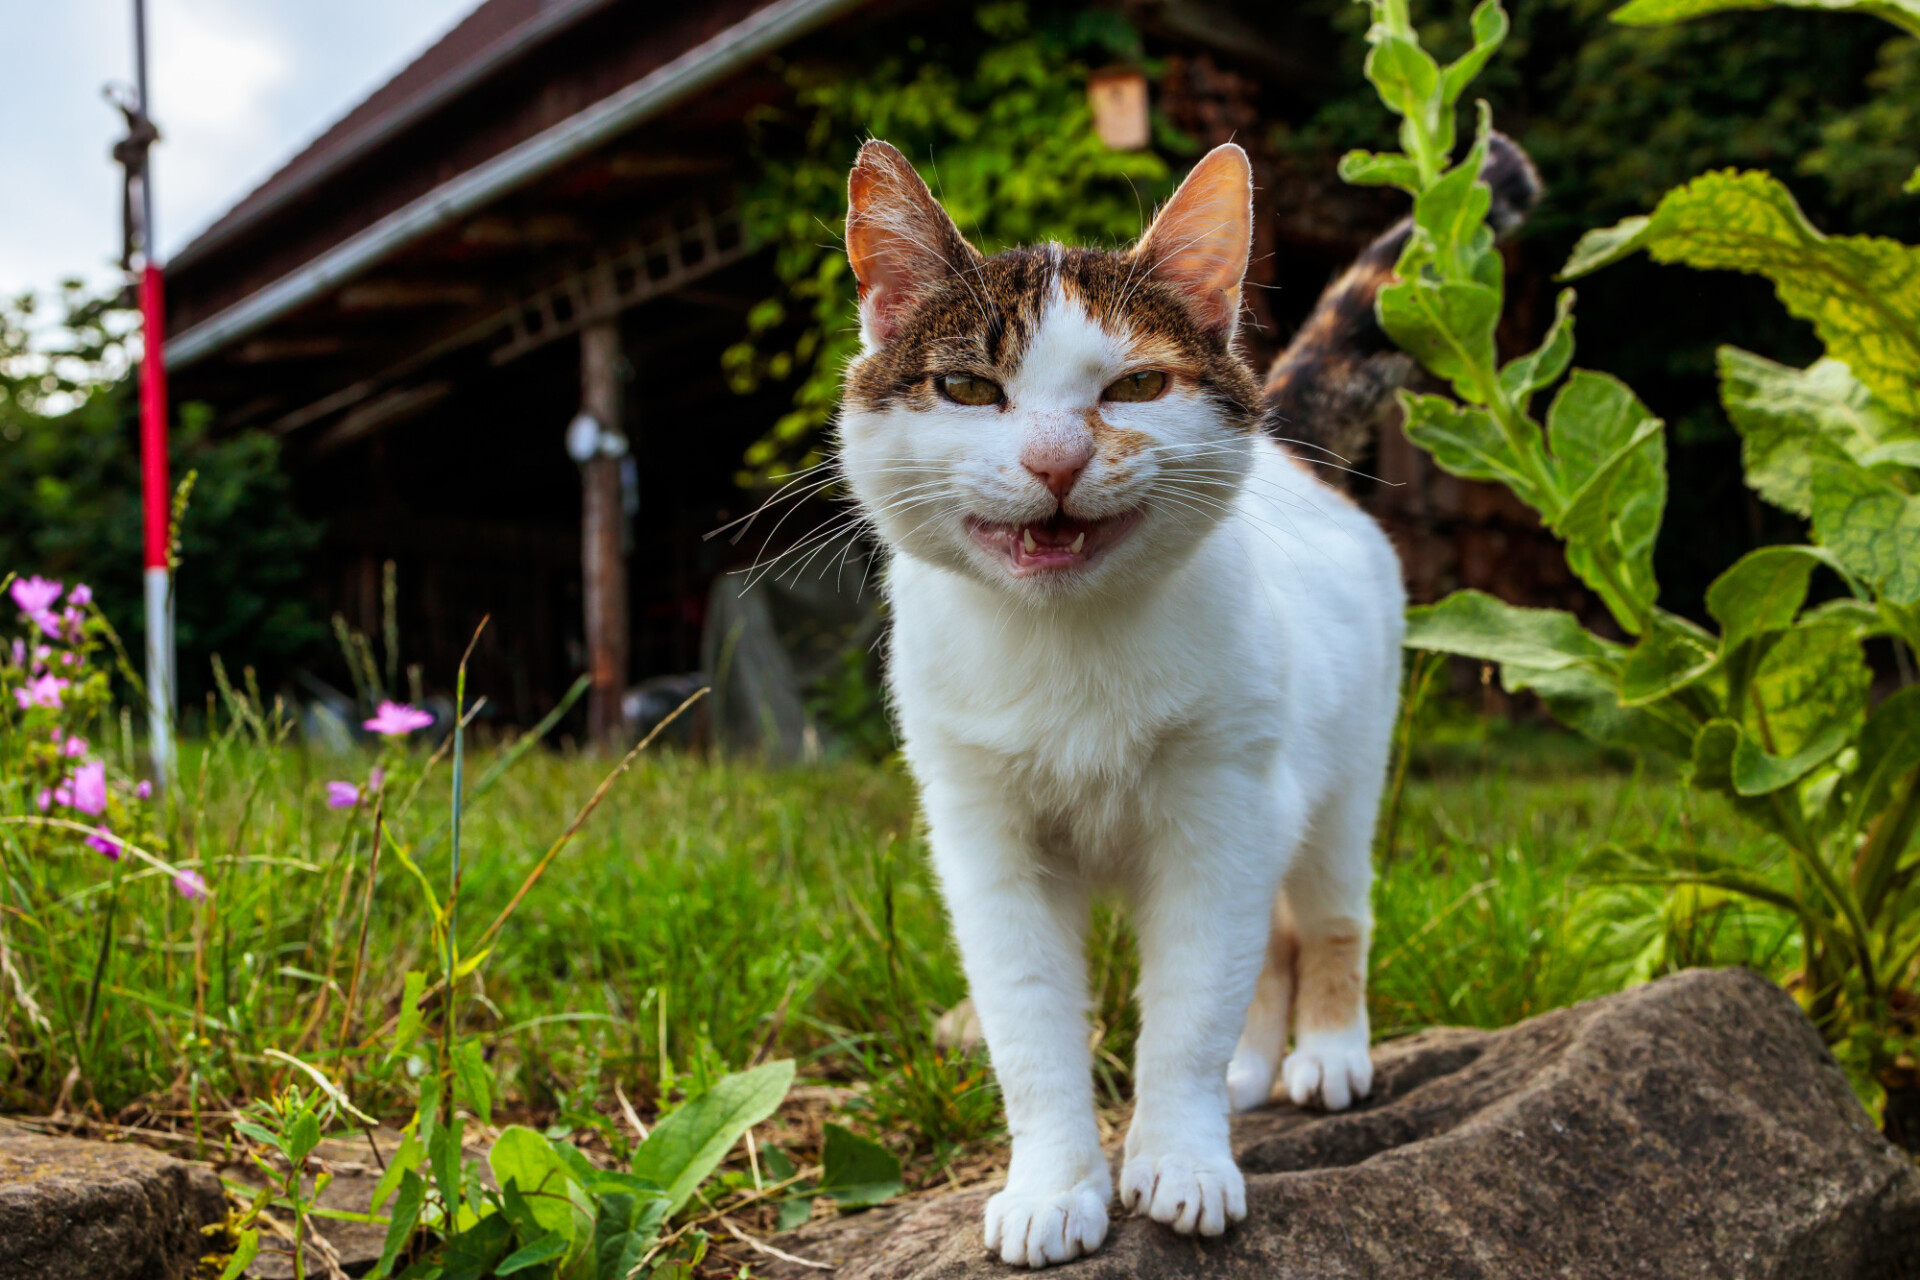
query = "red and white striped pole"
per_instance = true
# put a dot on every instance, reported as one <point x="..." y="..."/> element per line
<point x="156" y="489"/>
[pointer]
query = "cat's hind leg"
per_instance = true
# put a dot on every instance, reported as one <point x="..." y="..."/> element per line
<point x="1328" y="888"/>
<point x="1263" y="1038"/>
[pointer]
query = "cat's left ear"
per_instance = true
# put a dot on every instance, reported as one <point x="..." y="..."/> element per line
<point x="1200" y="239"/>
<point x="899" y="239"/>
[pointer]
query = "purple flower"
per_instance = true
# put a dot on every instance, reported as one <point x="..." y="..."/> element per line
<point x="90" y="788"/>
<point x="76" y="746"/>
<point x="342" y="795"/>
<point x="144" y="790"/>
<point x="81" y="594"/>
<point x="105" y="842"/>
<point x="34" y="595"/>
<point x="43" y="692"/>
<point x="19" y="653"/>
<point x="397" y="720"/>
<point x="190" y="884"/>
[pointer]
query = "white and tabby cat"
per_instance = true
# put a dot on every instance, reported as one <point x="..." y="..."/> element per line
<point x="1138" y="646"/>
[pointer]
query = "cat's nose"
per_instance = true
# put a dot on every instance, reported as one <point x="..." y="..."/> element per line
<point x="1057" y="464"/>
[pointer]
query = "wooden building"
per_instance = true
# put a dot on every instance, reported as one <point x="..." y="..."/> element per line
<point x="484" y="312"/>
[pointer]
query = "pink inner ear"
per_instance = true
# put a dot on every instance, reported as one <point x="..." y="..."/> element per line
<point x="1200" y="240"/>
<point x="899" y="239"/>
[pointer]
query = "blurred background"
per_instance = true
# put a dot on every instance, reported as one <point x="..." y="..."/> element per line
<point x="547" y="305"/>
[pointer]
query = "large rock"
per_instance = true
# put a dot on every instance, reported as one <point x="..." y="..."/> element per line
<point x="77" y="1210"/>
<point x="1694" y="1127"/>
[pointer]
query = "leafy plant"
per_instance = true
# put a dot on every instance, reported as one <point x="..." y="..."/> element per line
<point x="1772" y="710"/>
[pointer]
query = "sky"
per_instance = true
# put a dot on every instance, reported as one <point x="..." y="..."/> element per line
<point x="238" y="87"/>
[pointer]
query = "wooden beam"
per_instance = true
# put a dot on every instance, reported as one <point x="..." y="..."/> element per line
<point x="603" y="558"/>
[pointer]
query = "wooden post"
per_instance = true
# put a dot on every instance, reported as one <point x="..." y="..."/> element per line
<point x="603" y="559"/>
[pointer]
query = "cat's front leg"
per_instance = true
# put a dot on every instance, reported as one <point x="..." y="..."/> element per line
<point x="1021" y="928"/>
<point x="1202" y="922"/>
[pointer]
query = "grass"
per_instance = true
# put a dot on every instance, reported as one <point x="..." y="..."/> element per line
<point x="712" y="913"/>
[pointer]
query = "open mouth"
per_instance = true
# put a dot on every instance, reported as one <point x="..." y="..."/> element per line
<point x="1058" y="543"/>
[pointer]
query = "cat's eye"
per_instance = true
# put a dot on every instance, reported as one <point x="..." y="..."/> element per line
<point x="1147" y="384"/>
<point x="964" y="388"/>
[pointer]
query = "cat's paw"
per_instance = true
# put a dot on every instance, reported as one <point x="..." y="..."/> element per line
<point x="1328" y="1068"/>
<point x="1249" y="1080"/>
<point x="1030" y="1229"/>
<point x="1185" y="1190"/>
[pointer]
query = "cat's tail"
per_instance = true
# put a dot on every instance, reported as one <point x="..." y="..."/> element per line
<point x="1332" y="388"/>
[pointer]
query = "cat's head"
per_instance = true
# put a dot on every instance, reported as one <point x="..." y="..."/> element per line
<point x="1054" y="421"/>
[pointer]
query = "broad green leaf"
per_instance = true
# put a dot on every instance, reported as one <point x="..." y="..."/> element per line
<point x="243" y="1255"/>
<point x="547" y="1248"/>
<point x="1763" y="591"/>
<point x="1378" y="169"/>
<point x="1610" y="455"/>
<point x="1862" y="293"/>
<point x="855" y="1171"/>
<point x="1787" y="417"/>
<point x="1542" y="367"/>
<point x="689" y="1144"/>
<point x="400" y="1223"/>
<point x="405" y="1158"/>
<point x="1871" y="526"/>
<point x="475" y="1252"/>
<point x="444" y="1156"/>
<point x="265" y="1137"/>
<point x="624" y="1230"/>
<point x="472" y="1084"/>
<point x="1489" y="29"/>
<point x="1649" y="864"/>
<point x="528" y="1161"/>
<point x="1904" y="14"/>
<point x="1476" y="625"/>
<point x="1589" y="703"/>
<point x="1467" y="442"/>
<point x="1672" y="654"/>
<point x="1900" y="453"/>
<point x="1712" y="762"/>
<point x="1757" y="773"/>
<point x="303" y="1135"/>
<point x="1453" y="211"/>
<point x="408" y="1028"/>
<point x="1405" y="75"/>
<point x="1446" y="326"/>
<point x="1812" y="678"/>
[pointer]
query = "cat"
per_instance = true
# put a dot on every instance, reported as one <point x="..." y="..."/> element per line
<point x="1137" y="645"/>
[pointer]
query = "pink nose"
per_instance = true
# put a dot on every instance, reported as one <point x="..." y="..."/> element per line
<point x="1057" y="465"/>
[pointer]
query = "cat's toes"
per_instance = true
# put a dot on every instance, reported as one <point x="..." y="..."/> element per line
<point x="1249" y="1080"/>
<point x="1039" y="1230"/>
<point x="1186" y="1192"/>
<point x="1331" y="1069"/>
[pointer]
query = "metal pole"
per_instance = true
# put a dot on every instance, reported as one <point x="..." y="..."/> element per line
<point x="155" y="486"/>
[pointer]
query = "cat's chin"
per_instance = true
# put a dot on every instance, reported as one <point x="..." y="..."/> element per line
<point x="1062" y="545"/>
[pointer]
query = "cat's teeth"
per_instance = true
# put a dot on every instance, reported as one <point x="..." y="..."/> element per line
<point x="1029" y="540"/>
<point x="1079" y="541"/>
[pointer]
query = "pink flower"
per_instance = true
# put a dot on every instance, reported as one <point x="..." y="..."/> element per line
<point x="19" y="653"/>
<point x="76" y="746"/>
<point x="90" y="788"/>
<point x="43" y="692"/>
<point x="105" y="842"/>
<point x="397" y="720"/>
<point x="34" y="595"/>
<point x="81" y="594"/>
<point x="376" y="779"/>
<point x="342" y="795"/>
<point x="191" y="886"/>
<point x="44" y="799"/>
<point x="144" y="790"/>
<point x="48" y="621"/>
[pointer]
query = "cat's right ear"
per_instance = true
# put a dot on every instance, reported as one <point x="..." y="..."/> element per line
<point x="899" y="239"/>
